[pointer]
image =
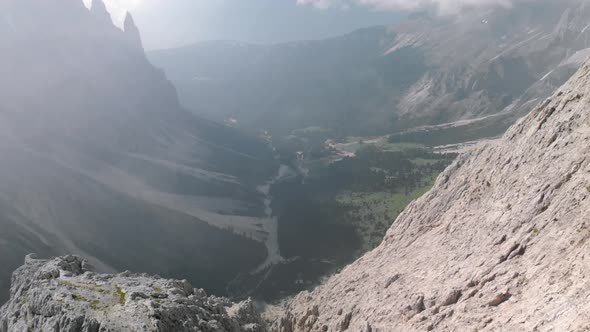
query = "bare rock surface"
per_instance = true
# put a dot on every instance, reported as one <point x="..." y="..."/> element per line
<point x="501" y="243"/>
<point x="63" y="294"/>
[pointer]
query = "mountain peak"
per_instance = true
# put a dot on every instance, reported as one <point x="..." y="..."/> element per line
<point x="99" y="10"/>
<point x="129" y="23"/>
<point x="132" y="31"/>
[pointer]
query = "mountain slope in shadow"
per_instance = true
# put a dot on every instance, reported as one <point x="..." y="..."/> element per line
<point x="99" y="158"/>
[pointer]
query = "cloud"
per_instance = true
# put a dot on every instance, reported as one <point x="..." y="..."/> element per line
<point x="321" y="4"/>
<point x="442" y="6"/>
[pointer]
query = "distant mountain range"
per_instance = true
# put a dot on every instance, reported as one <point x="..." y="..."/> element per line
<point x="484" y="65"/>
<point x="98" y="156"/>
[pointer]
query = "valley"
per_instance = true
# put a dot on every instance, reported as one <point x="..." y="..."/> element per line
<point x="366" y="121"/>
<point x="330" y="203"/>
<point x="263" y="171"/>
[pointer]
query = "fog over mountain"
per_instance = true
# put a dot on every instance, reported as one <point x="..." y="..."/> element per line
<point x="443" y="7"/>
<point x="99" y="158"/>
<point x="166" y="24"/>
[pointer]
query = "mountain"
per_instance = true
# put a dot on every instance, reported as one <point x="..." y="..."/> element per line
<point x="499" y="244"/>
<point x="485" y="65"/>
<point x="64" y="294"/>
<point x="99" y="158"/>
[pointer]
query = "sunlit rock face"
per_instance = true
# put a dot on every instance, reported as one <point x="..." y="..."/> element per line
<point x="499" y="243"/>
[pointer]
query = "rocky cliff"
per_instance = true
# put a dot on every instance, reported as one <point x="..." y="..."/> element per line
<point x="63" y="294"/>
<point x="499" y="244"/>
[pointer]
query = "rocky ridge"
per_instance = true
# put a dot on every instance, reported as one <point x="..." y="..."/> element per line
<point x="63" y="294"/>
<point x="499" y="244"/>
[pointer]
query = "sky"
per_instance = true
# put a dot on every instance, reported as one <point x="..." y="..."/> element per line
<point x="172" y="23"/>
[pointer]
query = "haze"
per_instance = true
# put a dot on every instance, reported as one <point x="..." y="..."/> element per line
<point x="312" y="165"/>
<point x="166" y="24"/>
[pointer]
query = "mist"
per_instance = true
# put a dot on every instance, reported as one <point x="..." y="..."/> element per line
<point x="441" y="6"/>
<point x="294" y="165"/>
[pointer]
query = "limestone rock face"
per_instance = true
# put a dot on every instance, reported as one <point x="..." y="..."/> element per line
<point x="500" y="243"/>
<point x="63" y="294"/>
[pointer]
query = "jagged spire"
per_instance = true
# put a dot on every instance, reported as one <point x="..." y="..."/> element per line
<point x="132" y="31"/>
<point x="99" y="10"/>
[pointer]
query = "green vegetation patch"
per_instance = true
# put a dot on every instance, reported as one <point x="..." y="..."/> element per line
<point x="373" y="213"/>
<point x="94" y="304"/>
<point x="90" y="287"/>
<point x="337" y="210"/>
<point x="381" y="183"/>
<point x="354" y="144"/>
<point x="121" y="295"/>
<point x="366" y="191"/>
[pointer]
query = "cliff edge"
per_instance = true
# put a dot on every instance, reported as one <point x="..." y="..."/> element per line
<point x="499" y="244"/>
<point x="63" y="294"/>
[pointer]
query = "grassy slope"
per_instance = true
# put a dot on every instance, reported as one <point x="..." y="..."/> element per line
<point x="371" y="214"/>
